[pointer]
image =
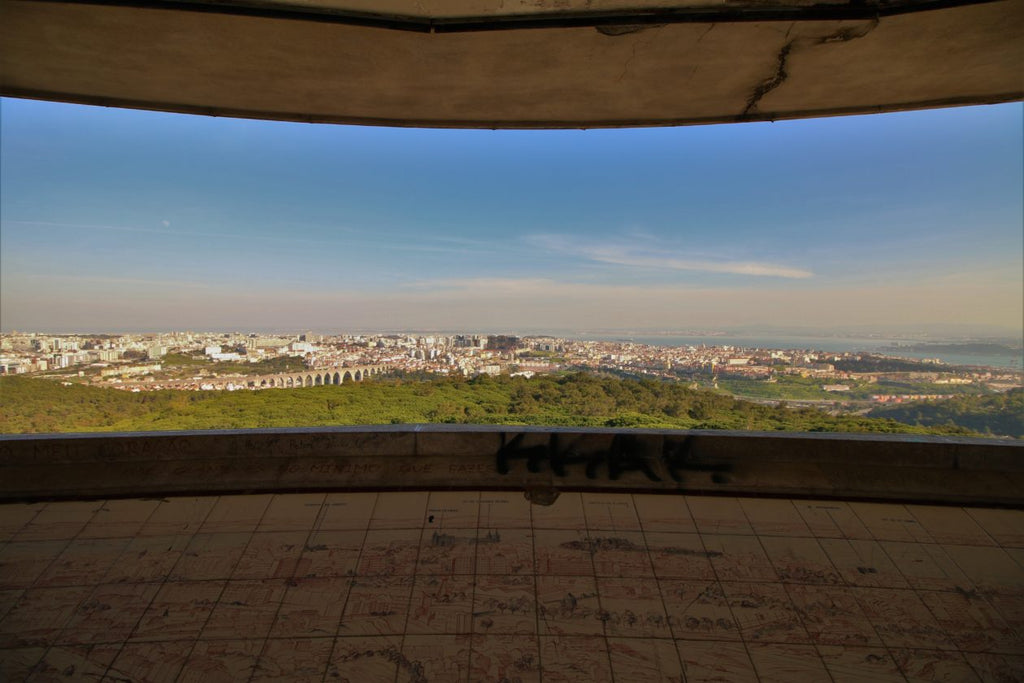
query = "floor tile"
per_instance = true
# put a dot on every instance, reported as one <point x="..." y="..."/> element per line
<point x="569" y="605"/>
<point x="210" y="556"/>
<point x="860" y="664"/>
<point x="311" y="608"/>
<point x="947" y="524"/>
<point x="719" y="515"/>
<point x="927" y="566"/>
<point x="505" y="605"/>
<point x="934" y="665"/>
<point x="441" y="604"/>
<point x="832" y="616"/>
<point x="997" y="668"/>
<point x="447" y="551"/>
<point x="178" y="611"/>
<point x="504" y="510"/>
<point x="774" y="517"/>
<point x="784" y="663"/>
<point x="891" y="522"/>
<point x="400" y="510"/>
<point x="273" y="554"/>
<point x="972" y="623"/>
<point x="715" y="661"/>
<point x="664" y="513"/>
<point x="175" y="516"/>
<point x="119" y="518"/>
<point x="563" y="552"/>
<point x="641" y="660"/>
<point x="1005" y="526"/>
<point x="221" y="660"/>
<point x="867" y="562"/>
<point x="739" y="558"/>
<point x="109" y="614"/>
<point x="435" y="658"/>
<point x="292" y="512"/>
<point x="347" y="511"/>
<point x="620" y="553"/>
<point x="698" y="610"/>
<point x="610" y="512"/>
<point x="570" y="659"/>
<point x="39" y="616"/>
<point x="831" y="519"/>
<point x="151" y="662"/>
<point x="679" y="556"/>
<point x="147" y="558"/>
<point x="83" y="562"/>
<point x="22" y="562"/>
<point x="479" y="585"/>
<point x="800" y="560"/>
<point x="236" y="514"/>
<point x="300" y="660"/>
<point x="245" y="607"/>
<point x="565" y="513"/>
<point x="330" y="553"/>
<point x="633" y="608"/>
<point x="992" y="570"/>
<point x="452" y="510"/>
<point x="389" y="552"/>
<point x="69" y="662"/>
<point x="376" y="606"/>
<point x="358" y="658"/>
<point x="59" y="521"/>
<point x="901" y="619"/>
<point x="765" y="613"/>
<point x="14" y="516"/>
<point x="504" y="551"/>
<point x="505" y="658"/>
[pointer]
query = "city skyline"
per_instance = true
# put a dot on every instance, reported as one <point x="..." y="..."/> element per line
<point x="127" y="220"/>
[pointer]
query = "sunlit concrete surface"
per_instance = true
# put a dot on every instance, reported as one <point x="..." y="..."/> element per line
<point x="484" y="586"/>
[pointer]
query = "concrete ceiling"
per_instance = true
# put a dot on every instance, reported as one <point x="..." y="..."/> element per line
<point x="515" y="63"/>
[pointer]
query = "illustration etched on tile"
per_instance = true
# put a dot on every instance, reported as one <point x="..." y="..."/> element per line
<point x="594" y="587"/>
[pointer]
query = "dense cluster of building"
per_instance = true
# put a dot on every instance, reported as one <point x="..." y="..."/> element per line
<point x="136" y="360"/>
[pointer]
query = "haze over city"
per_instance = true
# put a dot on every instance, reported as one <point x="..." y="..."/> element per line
<point x="127" y="220"/>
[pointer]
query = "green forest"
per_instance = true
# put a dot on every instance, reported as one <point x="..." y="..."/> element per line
<point x="1001" y="414"/>
<point x="42" y="406"/>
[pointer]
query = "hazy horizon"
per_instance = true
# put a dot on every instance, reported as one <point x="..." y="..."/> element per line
<point x="128" y="220"/>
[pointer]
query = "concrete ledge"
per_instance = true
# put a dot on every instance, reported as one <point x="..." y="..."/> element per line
<point x="890" y="467"/>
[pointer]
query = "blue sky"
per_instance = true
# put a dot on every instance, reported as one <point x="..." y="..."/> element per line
<point x="120" y="220"/>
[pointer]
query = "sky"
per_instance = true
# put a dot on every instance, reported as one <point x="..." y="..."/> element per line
<point x="119" y="220"/>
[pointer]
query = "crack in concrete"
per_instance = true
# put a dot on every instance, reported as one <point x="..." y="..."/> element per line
<point x="625" y="67"/>
<point x="776" y="79"/>
<point x="780" y="74"/>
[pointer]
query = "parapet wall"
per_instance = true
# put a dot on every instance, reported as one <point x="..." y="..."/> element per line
<point x="539" y="461"/>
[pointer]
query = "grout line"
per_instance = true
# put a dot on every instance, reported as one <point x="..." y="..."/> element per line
<point x="661" y="594"/>
<point x="597" y="588"/>
<point x="351" y="585"/>
<point x="536" y="595"/>
<point x="412" y="579"/>
<point x="728" y="601"/>
<point x="472" y="598"/>
<point x="163" y="580"/>
<point x="52" y="562"/>
<point x="241" y="555"/>
<point x="287" y="582"/>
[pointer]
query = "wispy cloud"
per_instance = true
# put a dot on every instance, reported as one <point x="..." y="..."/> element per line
<point x="648" y="256"/>
<point x="119" y="281"/>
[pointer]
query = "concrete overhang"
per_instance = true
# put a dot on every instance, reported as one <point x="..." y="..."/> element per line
<point x="518" y="63"/>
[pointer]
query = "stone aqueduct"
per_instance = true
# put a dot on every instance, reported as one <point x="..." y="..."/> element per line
<point x="288" y="380"/>
<point x="314" y="378"/>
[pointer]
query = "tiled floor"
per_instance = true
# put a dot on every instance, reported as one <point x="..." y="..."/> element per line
<point x="460" y="586"/>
